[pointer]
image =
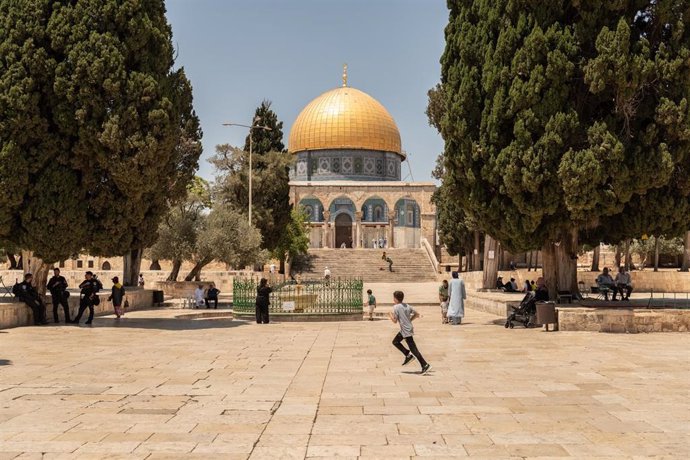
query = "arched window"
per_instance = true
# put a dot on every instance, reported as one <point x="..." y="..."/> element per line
<point x="105" y="266"/>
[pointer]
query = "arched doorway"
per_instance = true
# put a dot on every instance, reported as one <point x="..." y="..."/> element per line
<point x="343" y="230"/>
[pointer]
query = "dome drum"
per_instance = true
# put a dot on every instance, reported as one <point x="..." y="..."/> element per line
<point x="346" y="164"/>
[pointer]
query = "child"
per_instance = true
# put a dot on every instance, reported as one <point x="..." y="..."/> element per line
<point x="116" y="296"/>
<point x="372" y="305"/>
<point x="403" y="314"/>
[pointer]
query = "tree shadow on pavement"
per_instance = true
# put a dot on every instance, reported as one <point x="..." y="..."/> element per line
<point x="167" y="324"/>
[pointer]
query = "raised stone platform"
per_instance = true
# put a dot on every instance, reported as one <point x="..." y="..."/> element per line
<point x="656" y="315"/>
<point x="14" y="313"/>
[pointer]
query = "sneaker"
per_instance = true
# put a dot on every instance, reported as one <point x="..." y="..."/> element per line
<point x="425" y="368"/>
<point x="408" y="358"/>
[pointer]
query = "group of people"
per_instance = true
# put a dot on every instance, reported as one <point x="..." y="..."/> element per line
<point x="205" y="297"/>
<point x="57" y="286"/>
<point x="622" y="284"/>
<point x="510" y="286"/>
<point x="452" y="296"/>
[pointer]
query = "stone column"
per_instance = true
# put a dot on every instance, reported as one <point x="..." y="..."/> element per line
<point x="358" y="230"/>
<point x="391" y="243"/>
<point x="325" y="235"/>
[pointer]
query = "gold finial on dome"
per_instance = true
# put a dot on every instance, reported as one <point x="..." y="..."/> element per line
<point x="344" y="75"/>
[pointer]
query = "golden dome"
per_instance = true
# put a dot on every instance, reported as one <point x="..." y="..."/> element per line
<point x="344" y="118"/>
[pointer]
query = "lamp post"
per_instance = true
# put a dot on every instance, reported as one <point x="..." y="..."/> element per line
<point x="251" y="146"/>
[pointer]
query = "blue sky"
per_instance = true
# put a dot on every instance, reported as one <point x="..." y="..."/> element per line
<point x="239" y="52"/>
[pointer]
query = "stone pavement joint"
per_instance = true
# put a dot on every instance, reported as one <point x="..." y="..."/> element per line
<point x="154" y="387"/>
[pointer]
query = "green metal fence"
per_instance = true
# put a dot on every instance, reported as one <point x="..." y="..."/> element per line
<point x="310" y="297"/>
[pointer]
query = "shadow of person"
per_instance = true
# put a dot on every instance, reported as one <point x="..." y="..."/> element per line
<point x="5" y="362"/>
<point x="168" y="324"/>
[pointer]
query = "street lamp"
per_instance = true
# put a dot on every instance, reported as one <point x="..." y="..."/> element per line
<point x="251" y="142"/>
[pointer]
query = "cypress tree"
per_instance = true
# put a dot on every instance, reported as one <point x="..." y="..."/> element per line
<point x="98" y="135"/>
<point x="565" y="121"/>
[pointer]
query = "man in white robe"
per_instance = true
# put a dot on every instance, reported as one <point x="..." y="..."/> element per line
<point x="456" y="302"/>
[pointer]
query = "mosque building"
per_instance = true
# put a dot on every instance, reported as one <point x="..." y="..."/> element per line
<point x="347" y="175"/>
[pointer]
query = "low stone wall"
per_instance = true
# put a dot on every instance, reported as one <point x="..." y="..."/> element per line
<point x="182" y="289"/>
<point x="623" y="319"/>
<point x="15" y="314"/>
<point x="643" y="281"/>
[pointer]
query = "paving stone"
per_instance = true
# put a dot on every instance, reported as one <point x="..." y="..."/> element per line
<point x="206" y="390"/>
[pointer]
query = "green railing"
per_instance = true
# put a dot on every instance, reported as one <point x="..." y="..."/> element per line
<point x="310" y="297"/>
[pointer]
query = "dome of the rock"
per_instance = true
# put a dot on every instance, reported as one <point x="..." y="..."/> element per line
<point x="344" y="118"/>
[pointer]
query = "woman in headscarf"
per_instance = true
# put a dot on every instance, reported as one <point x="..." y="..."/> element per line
<point x="263" y="293"/>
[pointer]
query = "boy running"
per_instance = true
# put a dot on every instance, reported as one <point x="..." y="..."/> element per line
<point x="372" y="304"/>
<point x="403" y="314"/>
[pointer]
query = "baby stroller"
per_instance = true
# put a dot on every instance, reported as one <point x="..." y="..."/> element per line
<point x="524" y="313"/>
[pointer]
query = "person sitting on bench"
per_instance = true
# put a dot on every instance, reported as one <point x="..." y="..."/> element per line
<point x="606" y="284"/>
<point x="29" y="295"/>
<point x="623" y="284"/>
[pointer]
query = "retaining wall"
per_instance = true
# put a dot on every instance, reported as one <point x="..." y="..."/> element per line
<point x="15" y="314"/>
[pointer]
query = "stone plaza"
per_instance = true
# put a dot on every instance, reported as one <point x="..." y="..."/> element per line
<point x="159" y="385"/>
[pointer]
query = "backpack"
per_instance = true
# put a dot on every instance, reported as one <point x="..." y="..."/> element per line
<point x="17" y="290"/>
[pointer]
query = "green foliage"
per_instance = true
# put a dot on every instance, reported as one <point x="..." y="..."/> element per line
<point x="270" y="183"/>
<point x="645" y="248"/>
<point x="567" y="115"/>
<point x="265" y="141"/>
<point x="97" y="132"/>
<point x="179" y="230"/>
<point x="294" y="240"/>
<point x="226" y="236"/>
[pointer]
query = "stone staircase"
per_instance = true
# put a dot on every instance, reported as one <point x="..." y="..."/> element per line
<point x="409" y="265"/>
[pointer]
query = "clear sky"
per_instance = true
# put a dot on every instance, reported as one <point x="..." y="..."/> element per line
<point x="239" y="52"/>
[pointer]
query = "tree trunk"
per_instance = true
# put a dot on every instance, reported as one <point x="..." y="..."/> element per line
<point x="281" y="266"/>
<point x="628" y="255"/>
<point x="13" y="261"/>
<point x="529" y="261"/>
<point x="550" y="269"/>
<point x="617" y="258"/>
<point x="491" y="260"/>
<point x="175" y="272"/>
<point x="476" y="256"/>
<point x="656" y="253"/>
<point x="595" y="258"/>
<point x="686" y="253"/>
<point x="155" y="265"/>
<point x="20" y="263"/>
<point x="38" y="269"/>
<point x="195" y="273"/>
<point x="131" y="263"/>
<point x="560" y="265"/>
<point x="566" y="254"/>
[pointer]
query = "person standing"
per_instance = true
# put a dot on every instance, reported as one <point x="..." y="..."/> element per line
<point x="371" y="301"/>
<point x="199" y="296"/>
<point x="403" y="315"/>
<point x="57" y="285"/>
<point x="117" y="295"/>
<point x="28" y="294"/>
<point x="327" y="274"/>
<point x="141" y="281"/>
<point x="212" y="296"/>
<point x="263" y="301"/>
<point x="456" y="302"/>
<point x="443" y="298"/>
<point x="89" y="297"/>
<point x="389" y="260"/>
